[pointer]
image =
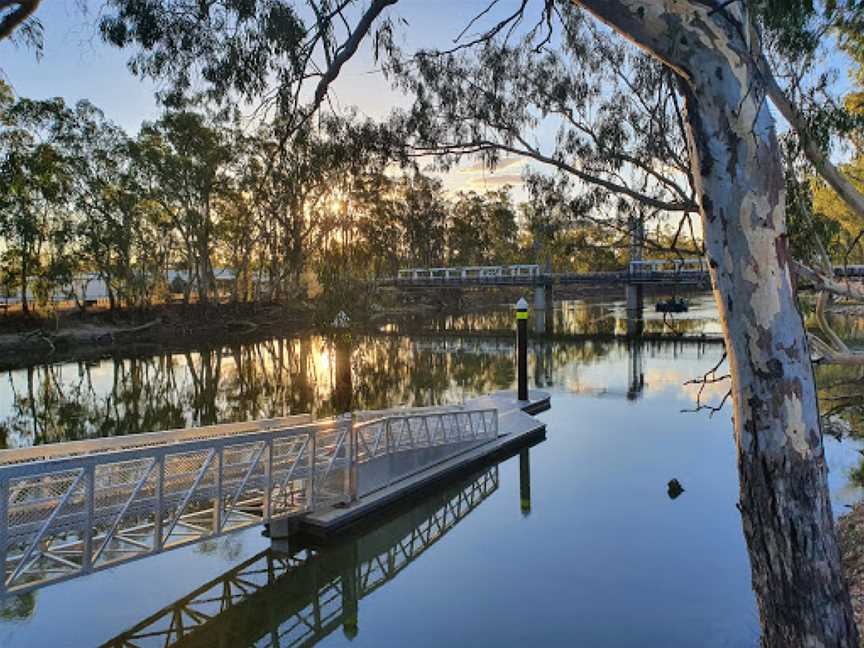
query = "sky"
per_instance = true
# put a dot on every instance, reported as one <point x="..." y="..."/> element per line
<point x="77" y="65"/>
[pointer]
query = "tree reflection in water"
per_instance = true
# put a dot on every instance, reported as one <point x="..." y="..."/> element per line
<point x="277" y="377"/>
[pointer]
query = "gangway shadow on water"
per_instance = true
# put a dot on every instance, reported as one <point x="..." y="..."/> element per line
<point x="299" y="597"/>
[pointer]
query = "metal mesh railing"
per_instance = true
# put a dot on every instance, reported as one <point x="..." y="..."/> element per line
<point x="64" y="517"/>
<point x="68" y="516"/>
<point x="115" y="444"/>
<point x="393" y="448"/>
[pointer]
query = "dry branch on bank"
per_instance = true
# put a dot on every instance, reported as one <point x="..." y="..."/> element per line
<point x="831" y="349"/>
<point x="850" y="535"/>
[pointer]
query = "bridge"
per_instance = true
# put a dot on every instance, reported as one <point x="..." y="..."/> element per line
<point x="657" y="272"/>
<point x="675" y="273"/>
<point x="686" y="272"/>
<point x="300" y="597"/>
<point x="72" y="508"/>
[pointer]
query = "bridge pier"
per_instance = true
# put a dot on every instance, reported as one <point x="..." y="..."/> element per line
<point x="543" y="365"/>
<point x="635" y="370"/>
<point x="635" y="306"/>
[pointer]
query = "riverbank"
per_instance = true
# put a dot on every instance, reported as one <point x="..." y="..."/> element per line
<point x="25" y="341"/>
<point x="75" y="335"/>
<point x="850" y="534"/>
<point x="84" y="335"/>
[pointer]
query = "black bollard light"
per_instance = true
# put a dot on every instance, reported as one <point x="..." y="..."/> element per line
<point x="522" y="349"/>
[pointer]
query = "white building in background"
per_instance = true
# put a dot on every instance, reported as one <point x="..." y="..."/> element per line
<point x="89" y="287"/>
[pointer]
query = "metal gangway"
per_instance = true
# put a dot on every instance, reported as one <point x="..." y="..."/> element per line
<point x="277" y="599"/>
<point x="72" y="508"/>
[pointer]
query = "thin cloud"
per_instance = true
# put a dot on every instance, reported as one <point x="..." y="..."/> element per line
<point x="506" y="163"/>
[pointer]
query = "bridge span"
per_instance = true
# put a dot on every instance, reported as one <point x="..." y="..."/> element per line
<point x="675" y="273"/>
<point x="687" y="272"/>
<point x="656" y="272"/>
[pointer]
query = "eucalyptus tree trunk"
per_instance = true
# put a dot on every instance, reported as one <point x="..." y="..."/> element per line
<point x="784" y="501"/>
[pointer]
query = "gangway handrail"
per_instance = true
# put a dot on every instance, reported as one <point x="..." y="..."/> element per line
<point x="72" y="514"/>
<point x="470" y="425"/>
<point x="132" y="441"/>
<point x="459" y="429"/>
<point x="368" y="415"/>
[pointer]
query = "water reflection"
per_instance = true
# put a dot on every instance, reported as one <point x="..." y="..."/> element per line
<point x="525" y="481"/>
<point x="636" y="375"/>
<point x="317" y="374"/>
<point x="297" y="598"/>
<point x="627" y="513"/>
<point x="584" y="317"/>
<point x="278" y="377"/>
<point x="841" y="388"/>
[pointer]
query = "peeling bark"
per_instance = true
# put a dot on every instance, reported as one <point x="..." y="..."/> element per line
<point x="784" y="502"/>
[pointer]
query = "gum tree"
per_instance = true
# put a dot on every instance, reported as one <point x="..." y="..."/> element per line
<point x="185" y="162"/>
<point x="737" y="171"/>
<point x="107" y="200"/>
<point x="35" y="181"/>
<point x="612" y="123"/>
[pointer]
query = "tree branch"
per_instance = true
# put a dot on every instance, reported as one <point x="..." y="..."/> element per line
<point x="848" y="193"/>
<point x="830" y="284"/>
<point x="347" y="50"/>
<point x="530" y="151"/>
<point x="14" y="18"/>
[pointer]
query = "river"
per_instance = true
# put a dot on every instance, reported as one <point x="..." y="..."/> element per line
<point x="578" y="541"/>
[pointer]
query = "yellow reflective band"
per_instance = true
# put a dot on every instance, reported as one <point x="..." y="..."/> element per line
<point x="521" y="315"/>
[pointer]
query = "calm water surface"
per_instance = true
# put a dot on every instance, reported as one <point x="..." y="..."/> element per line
<point x="590" y="551"/>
